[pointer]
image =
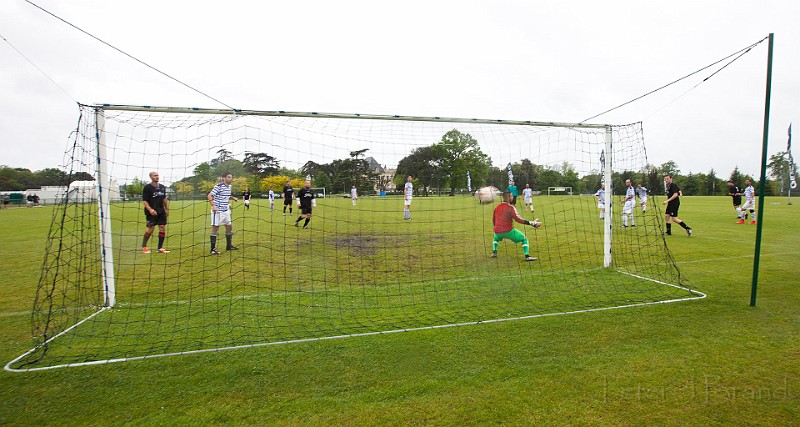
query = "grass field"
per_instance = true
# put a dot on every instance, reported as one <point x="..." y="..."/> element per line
<point x="711" y="361"/>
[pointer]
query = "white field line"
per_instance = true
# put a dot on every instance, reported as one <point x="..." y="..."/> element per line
<point x="7" y="367"/>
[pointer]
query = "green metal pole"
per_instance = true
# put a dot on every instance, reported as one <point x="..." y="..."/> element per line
<point x="763" y="181"/>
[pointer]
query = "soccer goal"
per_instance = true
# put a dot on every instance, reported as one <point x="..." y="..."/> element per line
<point x="559" y="190"/>
<point x="354" y="270"/>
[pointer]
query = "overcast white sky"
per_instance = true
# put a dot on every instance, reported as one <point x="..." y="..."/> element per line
<point x="522" y="60"/>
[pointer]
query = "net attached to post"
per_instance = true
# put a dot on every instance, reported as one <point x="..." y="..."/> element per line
<point x="357" y="268"/>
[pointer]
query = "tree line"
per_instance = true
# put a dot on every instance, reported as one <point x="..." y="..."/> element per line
<point x="442" y="165"/>
<point x="21" y="179"/>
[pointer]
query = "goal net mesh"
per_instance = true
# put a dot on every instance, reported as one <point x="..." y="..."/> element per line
<point x="358" y="267"/>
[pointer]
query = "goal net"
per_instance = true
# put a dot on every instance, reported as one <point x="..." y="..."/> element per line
<point x="349" y="268"/>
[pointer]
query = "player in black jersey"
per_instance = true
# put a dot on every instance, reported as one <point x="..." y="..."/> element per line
<point x="156" y="210"/>
<point x="673" y="202"/>
<point x="246" y="198"/>
<point x="305" y="198"/>
<point x="288" y="193"/>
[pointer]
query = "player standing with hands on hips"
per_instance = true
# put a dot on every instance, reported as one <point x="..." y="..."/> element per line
<point x="220" y="197"/>
<point x="502" y="219"/>
<point x="673" y="202"/>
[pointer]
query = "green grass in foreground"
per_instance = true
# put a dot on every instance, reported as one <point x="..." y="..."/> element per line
<point x="710" y="362"/>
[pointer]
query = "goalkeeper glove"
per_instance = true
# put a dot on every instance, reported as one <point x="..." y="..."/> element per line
<point x="535" y="223"/>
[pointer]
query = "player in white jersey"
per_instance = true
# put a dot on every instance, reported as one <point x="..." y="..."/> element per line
<point x="628" y="204"/>
<point x="600" y="195"/>
<point x="354" y="194"/>
<point x="642" y="193"/>
<point x="408" y="193"/>
<point x="749" y="200"/>
<point x="271" y="196"/>
<point x="527" y="196"/>
<point x="219" y="197"/>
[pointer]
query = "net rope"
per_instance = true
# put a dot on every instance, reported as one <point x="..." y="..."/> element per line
<point x="356" y="269"/>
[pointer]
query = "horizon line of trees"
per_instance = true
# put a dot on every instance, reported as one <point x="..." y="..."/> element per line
<point x="21" y="179"/>
<point x="443" y="164"/>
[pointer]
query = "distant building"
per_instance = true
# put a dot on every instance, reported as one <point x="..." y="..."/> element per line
<point x="383" y="182"/>
<point x="387" y="180"/>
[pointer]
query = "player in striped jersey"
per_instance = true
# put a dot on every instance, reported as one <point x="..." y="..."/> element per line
<point x="219" y="198"/>
<point x="504" y="215"/>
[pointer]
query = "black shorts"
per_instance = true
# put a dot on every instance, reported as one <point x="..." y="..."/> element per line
<point x="672" y="209"/>
<point x="287" y="201"/>
<point x="158" y="219"/>
<point x="737" y="202"/>
<point x="305" y="211"/>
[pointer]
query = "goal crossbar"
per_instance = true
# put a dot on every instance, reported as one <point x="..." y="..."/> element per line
<point x="179" y="110"/>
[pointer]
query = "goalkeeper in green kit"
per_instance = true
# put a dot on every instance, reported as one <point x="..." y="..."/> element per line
<point x="504" y="215"/>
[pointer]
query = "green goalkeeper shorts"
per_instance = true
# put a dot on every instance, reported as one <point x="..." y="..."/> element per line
<point x="514" y="235"/>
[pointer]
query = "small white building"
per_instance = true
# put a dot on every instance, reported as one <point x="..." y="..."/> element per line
<point x="86" y="191"/>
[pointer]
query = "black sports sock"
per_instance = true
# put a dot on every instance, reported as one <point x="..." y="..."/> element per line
<point x="229" y="239"/>
<point x="145" y="239"/>
<point x="160" y="240"/>
<point x="683" y="224"/>
<point x="669" y="227"/>
<point x="306" y="223"/>
<point x="213" y="241"/>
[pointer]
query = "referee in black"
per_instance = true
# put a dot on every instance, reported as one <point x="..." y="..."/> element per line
<point x="673" y="202"/>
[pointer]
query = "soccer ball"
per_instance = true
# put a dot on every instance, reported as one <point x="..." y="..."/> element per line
<point x="487" y="195"/>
